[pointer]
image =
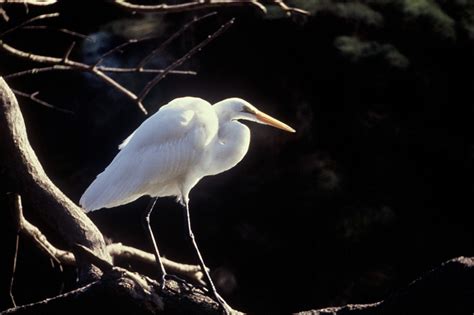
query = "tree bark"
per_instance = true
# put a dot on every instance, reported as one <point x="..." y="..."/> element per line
<point x="122" y="292"/>
<point x="27" y="177"/>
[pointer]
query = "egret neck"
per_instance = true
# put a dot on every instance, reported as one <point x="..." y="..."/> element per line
<point x="230" y="144"/>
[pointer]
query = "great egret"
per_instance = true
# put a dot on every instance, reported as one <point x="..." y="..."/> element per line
<point x="170" y="152"/>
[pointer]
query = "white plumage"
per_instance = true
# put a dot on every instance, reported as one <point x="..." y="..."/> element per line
<point x="170" y="152"/>
<point x="173" y="149"/>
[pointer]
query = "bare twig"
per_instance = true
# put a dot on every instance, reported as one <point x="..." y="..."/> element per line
<point x="31" y="2"/>
<point x="4" y="15"/>
<point x="101" y="68"/>
<point x="165" y="44"/>
<point x="65" y="63"/>
<point x="61" y="30"/>
<point x="129" y="70"/>
<point x="33" y="97"/>
<point x="189" y="6"/>
<point x="37" y="236"/>
<point x="147" y="58"/>
<point x="290" y="10"/>
<point x="16" y="216"/>
<point x="68" y="52"/>
<point x="73" y="65"/>
<point x="122" y="46"/>
<point x="181" y="60"/>
<point x="12" y="279"/>
<point x="33" y="19"/>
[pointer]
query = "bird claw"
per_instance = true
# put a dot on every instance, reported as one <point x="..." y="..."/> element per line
<point x="223" y="305"/>
<point x="188" y="287"/>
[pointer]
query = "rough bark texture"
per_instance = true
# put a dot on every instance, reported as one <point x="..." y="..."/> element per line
<point x="448" y="289"/>
<point x="27" y="177"/>
<point x="123" y="292"/>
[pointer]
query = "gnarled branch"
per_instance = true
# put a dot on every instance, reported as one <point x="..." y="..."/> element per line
<point x="115" y="250"/>
<point x="26" y="174"/>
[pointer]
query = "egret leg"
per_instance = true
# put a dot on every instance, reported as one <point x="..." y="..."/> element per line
<point x="219" y="299"/>
<point x="147" y="225"/>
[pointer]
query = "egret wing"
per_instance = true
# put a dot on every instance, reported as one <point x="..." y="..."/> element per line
<point x="164" y="147"/>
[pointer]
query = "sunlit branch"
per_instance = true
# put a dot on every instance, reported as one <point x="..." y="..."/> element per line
<point x="189" y="6"/>
<point x="73" y="65"/>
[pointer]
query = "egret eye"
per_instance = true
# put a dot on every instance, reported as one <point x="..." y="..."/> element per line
<point x="247" y="109"/>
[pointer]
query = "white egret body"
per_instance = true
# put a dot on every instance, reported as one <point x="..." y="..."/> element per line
<point x="171" y="151"/>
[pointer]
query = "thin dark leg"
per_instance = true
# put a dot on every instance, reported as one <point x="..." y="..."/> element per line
<point x="146" y="224"/>
<point x="219" y="299"/>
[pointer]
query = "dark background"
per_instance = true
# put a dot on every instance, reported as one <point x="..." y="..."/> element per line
<point x="373" y="189"/>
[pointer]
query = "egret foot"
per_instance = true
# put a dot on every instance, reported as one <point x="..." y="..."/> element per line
<point x="181" y="282"/>
<point x="223" y="304"/>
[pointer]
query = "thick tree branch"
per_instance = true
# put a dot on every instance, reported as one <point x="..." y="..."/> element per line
<point x="118" y="288"/>
<point x="26" y="175"/>
<point x="124" y="292"/>
<point x="192" y="272"/>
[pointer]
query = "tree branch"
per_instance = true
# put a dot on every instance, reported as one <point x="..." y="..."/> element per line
<point x="189" y="6"/>
<point x="447" y="289"/>
<point x="67" y="64"/>
<point x="124" y="292"/>
<point x="290" y="10"/>
<point x="24" y="171"/>
<point x="31" y="20"/>
<point x="165" y="44"/>
<point x="116" y="250"/>
<point x="60" y="30"/>
<point x="31" y="2"/>
<point x="144" y="92"/>
<point x="33" y="97"/>
<point x="192" y="272"/>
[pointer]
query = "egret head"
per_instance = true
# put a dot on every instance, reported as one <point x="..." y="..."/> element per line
<point x="237" y="108"/>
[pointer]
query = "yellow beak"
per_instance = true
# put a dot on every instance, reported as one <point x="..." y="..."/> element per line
<point x="269" y="120"/>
